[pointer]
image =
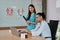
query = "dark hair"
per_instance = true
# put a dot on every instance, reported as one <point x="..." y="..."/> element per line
<point x="29" y="13"/>
<point x="42" y="14"/>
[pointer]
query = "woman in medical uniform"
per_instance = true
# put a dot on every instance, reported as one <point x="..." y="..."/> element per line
<point x="31" y="17"/>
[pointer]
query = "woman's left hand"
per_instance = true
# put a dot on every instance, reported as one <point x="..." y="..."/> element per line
<point x="33" y="23"/>
<point x="28" y="22"/>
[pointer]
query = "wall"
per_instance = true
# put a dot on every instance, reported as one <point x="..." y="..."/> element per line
<point x="38" y="5"/>
<point x="16" y="20"/>
<point x="52" y="11"/>
<point x="58" y="8"/>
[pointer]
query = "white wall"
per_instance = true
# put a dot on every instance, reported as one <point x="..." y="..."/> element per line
<point x="38" y="5"/>
<point x="58" y="13"/>
<point x="15" y="19"/>
<point x="52" y="13"/>
<point x="58" y="8"/>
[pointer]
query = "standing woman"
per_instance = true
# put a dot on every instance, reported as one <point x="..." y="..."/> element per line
<point x="31" y="17"/>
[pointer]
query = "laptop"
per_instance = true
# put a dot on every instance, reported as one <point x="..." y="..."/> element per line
<point x="14" y="31"/>
<point x="17" y="33"/>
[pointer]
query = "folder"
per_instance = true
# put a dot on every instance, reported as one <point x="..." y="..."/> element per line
<point x="24" y="18"/>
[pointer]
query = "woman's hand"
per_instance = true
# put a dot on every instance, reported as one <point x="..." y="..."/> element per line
<point x="33" y="22"/>
<point x="28" y="22"/>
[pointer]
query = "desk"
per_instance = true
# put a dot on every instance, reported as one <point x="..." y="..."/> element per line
<point x="5" y="35"/>
<point x="7" y="28"/>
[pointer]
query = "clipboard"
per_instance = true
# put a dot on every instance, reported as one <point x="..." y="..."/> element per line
<point x="24" y="18"/>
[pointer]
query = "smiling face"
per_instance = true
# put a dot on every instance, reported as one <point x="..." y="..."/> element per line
<point x="31" y="9"/>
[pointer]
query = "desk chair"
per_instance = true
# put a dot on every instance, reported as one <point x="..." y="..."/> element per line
<point x="53" y="27"/>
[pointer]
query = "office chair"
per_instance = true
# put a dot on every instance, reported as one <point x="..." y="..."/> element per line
<point x="53" y="27"/>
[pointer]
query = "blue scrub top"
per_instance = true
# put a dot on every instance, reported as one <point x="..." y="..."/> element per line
<point x="32" y="19"/>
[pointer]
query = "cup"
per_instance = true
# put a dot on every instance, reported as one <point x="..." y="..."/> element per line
<point x="23" y="35"/>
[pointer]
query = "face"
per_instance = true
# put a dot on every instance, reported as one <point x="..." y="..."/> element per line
<point x="31" y="9"/>
<point x="38" y="18"/>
